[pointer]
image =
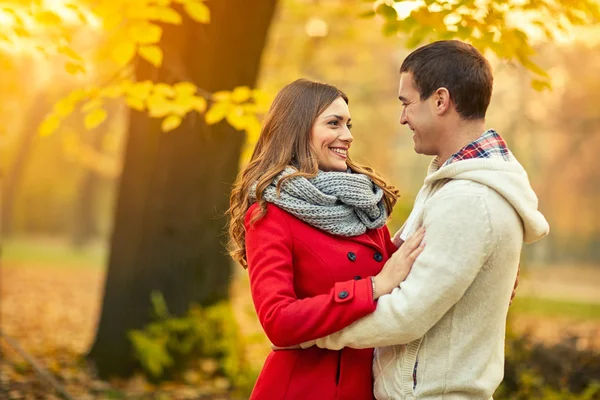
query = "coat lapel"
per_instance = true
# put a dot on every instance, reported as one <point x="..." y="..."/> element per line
<point x="366" y="240"/>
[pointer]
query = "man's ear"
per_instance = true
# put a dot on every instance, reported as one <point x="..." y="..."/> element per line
<point x="442" y="100"/>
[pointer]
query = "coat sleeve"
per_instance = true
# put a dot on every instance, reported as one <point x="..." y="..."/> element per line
<point x="286" y="319"/>
<point x="458" y="239"/>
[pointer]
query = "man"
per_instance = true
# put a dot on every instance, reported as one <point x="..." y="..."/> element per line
<point x="440" y="335"/>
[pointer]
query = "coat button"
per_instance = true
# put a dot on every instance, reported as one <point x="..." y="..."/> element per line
<point x="378" y="257"/>
<point x="357" y="278"/>
<point x="351" y="256"/>
<point x="343" y="294"/>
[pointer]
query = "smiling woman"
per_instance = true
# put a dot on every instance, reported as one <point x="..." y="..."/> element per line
<point x="309" y="224"/>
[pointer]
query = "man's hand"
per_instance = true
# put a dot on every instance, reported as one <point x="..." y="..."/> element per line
<point x="275" y="348"/>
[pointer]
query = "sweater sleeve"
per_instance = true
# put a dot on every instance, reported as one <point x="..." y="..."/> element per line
<point x="286" y="319"/>
<point x="458" y="239"/>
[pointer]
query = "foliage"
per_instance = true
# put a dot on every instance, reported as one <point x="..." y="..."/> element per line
<point x="550" y="372"/>
<point x="497" y="26"/>
<point x="136" y="28"/>
<point x="205" y="339"/>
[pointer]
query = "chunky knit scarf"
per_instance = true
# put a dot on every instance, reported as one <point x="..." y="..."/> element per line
<point x="341" y="203"/>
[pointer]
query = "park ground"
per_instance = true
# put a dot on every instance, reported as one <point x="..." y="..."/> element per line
<point x="50" y="298"/>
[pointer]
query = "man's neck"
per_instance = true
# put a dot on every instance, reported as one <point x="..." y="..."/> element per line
<point x="458" y="138"/>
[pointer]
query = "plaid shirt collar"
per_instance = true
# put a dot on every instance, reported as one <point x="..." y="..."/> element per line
<point x="488" y="145"/>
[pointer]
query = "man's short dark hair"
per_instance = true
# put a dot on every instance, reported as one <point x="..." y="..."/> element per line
<point x="456" y="66"/>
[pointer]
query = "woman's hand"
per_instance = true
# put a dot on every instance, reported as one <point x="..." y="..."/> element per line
<point x="396" y="269"/>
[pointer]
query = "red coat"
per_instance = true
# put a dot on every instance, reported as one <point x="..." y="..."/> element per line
<point x="307" y="284"/>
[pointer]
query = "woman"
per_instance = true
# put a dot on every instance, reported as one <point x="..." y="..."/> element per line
<point x="309" y="224"/>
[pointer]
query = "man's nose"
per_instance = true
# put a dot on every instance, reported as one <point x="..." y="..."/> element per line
<point x="403" y="119"/>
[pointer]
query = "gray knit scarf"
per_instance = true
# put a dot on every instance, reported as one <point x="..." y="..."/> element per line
<point x="341" y="203"/>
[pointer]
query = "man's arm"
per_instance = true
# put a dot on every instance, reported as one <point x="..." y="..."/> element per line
<point x="458" y="239"/>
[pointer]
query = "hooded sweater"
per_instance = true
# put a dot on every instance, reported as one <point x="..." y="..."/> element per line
<point x="440" y="334"/>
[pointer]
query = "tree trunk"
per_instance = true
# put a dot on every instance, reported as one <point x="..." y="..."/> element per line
<point x="169" y="227"/>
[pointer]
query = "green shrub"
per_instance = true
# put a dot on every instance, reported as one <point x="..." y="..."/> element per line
<point x="205" y="340"/>
<point x="559" y="372"/>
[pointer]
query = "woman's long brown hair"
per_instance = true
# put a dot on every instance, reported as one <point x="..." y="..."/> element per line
<point x="285" y="140"/>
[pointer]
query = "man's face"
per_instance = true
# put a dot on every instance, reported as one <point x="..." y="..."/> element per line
<point x="419" y="115"/>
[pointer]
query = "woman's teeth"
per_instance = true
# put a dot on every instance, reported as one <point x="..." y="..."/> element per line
<point x="339" y="151"/>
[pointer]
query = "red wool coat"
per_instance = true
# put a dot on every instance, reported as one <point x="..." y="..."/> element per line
<point x="307" y="284"/>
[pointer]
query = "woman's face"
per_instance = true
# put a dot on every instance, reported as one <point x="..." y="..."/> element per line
<point x="330" y="136"/>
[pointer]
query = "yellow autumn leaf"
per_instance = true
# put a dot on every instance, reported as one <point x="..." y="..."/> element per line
<point x="91" y="105"/>
<point x="63" y="107"/>
<point x="253" y="128"/>
<point x="541" y="85"/>
<point x="216" y="113"/>
<point x="221" y="95"/>
<point x="141" y="12"/>
<point x="74" y="68"/>
<point x="181" y="106"/>
<point x="123" y="52"/>
<point x="69" y="52"/>
<point x="111" y="21"/>
<point x="49" y="125"/>
<point x="241" y="94"/>
<point x="77" y="95"/>
<point x="163" y="3"/>
<point x="197" y="11"/>
<point x="48" y="18"/>
<point x="75" y="9"/>
<point x="170" y="123"/>
<point x="250" y="108"/>
<point x="152" y="54"/>
<point x="237" y="118"/>
<point x="164" y="90"/>
<point x="141" y="89"/>
<point x="111" y="92"/>
<point x="135" y="102"/>
<point x="262" y="100"/>
<point x="198" y="104"/>
<point x="185" y="89"/>
<point x="158" y="106"/>
<point x="169" y="16"/>
<point x="94" y="118"/>
<point x="144" y="32"/>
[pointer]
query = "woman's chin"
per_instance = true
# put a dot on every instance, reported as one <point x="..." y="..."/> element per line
<point x="335" y="166"/>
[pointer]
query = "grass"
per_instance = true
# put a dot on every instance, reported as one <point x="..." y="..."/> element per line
<point x="51" y="252"/>
<point x="57" y="253"/>
<point x="555" y="308"/>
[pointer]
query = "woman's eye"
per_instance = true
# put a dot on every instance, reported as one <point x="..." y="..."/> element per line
<point x="334" y="122"/>
<point x="349" y="126"/>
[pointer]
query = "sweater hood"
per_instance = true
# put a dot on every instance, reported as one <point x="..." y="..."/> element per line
<point x="508" y="178"/>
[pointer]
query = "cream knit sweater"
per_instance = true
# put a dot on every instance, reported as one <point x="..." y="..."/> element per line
<point x="450" y="312"/>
